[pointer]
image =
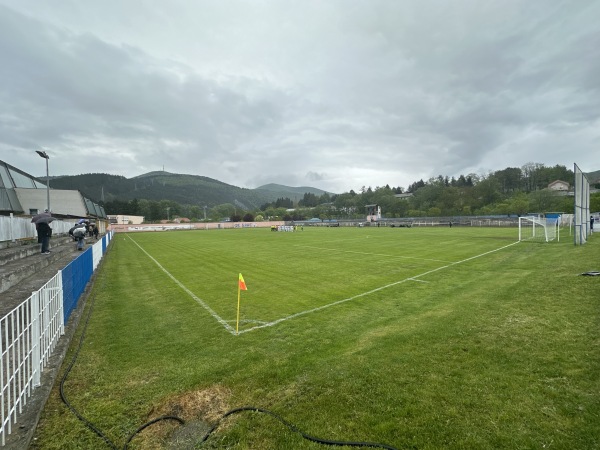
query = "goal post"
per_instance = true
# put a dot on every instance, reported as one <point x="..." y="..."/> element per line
<point x="538" y="229"/>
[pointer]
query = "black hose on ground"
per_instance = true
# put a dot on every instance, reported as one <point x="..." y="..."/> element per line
<point x="152" y="422"/>
<point x="295" y="429"/>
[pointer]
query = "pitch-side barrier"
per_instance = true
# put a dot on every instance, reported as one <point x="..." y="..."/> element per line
<point x="30" y="332"/>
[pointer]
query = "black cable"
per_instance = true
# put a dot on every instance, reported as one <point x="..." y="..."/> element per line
<point x="295" y="429"/>
<point x="152" y="422"/>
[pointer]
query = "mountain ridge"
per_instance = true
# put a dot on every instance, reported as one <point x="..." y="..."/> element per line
<point x="181" y="188"/>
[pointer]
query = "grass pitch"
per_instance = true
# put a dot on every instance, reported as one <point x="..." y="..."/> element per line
<point x="416" y="338"/>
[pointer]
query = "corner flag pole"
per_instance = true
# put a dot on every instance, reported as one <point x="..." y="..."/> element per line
<point x="241" y="286"/>
<point x="238" y="311"/>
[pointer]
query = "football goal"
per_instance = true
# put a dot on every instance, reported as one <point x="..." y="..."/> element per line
<point x="537" y="229"/>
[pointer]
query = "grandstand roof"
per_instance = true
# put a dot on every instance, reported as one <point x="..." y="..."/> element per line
<point x="24" y="194"/>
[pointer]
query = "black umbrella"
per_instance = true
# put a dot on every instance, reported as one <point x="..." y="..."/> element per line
<point x="37" y="217"/>
<point x="45" y="219"/>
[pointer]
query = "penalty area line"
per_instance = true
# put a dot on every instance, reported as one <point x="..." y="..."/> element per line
<point x="354" y="297"/>
<point x="190" y="293"/>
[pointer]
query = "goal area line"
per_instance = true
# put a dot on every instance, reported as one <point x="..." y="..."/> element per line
<point x="263" y="324"/>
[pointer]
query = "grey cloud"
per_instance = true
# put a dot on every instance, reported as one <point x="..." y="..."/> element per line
<point x="313" y="176"/>
<point x="342" y="94"/>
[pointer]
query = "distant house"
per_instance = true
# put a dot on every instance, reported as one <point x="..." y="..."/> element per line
<point x="373" y="212"/>
<point x="559" y="185"/>
<point x="181" y="220"/>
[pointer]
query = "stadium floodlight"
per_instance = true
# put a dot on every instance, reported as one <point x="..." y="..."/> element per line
<point x="44" y="155"/>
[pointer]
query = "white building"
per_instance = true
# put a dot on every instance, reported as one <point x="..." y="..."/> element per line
<point x="559" y="185"/>
<point x="373" y="213"/>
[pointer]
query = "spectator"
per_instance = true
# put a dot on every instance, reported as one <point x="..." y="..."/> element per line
<point x="44" y="232"/>
<point x="79" y="233"/>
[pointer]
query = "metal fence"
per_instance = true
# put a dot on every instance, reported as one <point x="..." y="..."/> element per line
<point x="31" y="331"/>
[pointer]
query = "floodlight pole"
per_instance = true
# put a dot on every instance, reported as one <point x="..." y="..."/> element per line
<point x="44" y="155"/>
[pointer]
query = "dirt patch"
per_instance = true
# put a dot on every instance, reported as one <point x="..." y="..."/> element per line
<point x="200" y="409"/>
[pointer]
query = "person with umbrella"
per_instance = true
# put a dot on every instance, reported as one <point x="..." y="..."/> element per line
<point x="39" y="216"/>
<point x="44" y="231"/>
<point x="78" y="233"/>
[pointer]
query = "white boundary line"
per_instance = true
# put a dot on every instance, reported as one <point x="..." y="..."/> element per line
<point x="190" y="293"/>
<point x="308" y="311"/>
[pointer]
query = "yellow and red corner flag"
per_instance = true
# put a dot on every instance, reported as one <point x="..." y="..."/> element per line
<point x="241" y="287"/>
<point x="242" y="283"/>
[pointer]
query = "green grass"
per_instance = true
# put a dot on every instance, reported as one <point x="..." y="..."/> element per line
<point x="397" y="336"/>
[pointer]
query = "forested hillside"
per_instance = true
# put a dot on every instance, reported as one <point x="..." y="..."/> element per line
<point x="182" y="189"/>
<point x="161" y="195"/>
<point x="511" y="191"/>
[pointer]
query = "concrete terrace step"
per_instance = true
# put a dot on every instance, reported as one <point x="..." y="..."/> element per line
<point x="20" y="250"/>
<point x="24" y="269"/>
<point x="25" y="262"/>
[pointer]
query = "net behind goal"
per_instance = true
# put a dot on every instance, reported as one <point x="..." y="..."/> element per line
<point x="537" y="229"/>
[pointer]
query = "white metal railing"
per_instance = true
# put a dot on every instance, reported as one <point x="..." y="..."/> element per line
<point x="30" y="333"/>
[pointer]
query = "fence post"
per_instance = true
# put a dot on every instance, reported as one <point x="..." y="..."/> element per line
<point x="12" y="232"/>
<point x="3" y="401"/>
<point x="35" y="338"/>
<point x="61" y="302"/>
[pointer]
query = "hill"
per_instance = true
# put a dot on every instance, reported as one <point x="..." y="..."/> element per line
<point x="184" y="189"/>
<point x="593" y="177"/>
<point x="294" y="193"/>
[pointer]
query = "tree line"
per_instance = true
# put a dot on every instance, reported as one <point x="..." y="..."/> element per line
<point x="511" y="191"/>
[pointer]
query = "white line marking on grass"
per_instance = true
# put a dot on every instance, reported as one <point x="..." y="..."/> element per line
<point x="302" y="313"/>
<point x="249" y="321"/>
<point x="190" y="293"/>
<point x="371" y="254"/>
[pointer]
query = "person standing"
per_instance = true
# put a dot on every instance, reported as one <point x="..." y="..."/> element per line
<point x="44" y="233"/>
<point x="591" y="224"/>
<point x="79" y="233"/>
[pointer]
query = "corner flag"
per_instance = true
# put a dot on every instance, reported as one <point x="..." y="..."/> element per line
<point x="242" y="283"/>
<point x="241" y="287"/>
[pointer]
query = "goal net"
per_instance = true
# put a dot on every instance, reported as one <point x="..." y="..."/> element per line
<point x="537" y="229"/>
<point x="582" y="206"/>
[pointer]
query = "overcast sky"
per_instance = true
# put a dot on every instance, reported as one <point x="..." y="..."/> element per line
<point x="333" y="94"/>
